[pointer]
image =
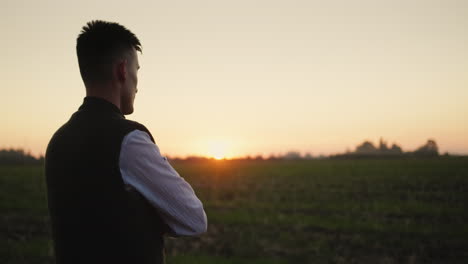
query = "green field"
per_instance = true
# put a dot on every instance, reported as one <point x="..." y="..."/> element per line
<point x="318" y="211"/>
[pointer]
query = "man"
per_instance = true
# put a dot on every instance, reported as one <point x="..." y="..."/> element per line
<point x="112" y="196"/>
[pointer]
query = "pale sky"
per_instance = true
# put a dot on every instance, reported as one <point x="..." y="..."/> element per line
<point x="233" y="78"/>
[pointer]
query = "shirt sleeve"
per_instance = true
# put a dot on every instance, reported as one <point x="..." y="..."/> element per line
<point x="144" y="169"/>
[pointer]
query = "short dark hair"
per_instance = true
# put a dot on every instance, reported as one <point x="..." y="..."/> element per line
<point x="98" y="45"/>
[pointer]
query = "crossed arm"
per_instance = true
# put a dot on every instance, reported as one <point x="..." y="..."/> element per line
<point x="144" y="168"/>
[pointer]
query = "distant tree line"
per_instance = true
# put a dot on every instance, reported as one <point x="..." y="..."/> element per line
<point x="291" y="155"/>
<point x="18" y="157"/>
<point x="364" y="150"/>
<point x="368" y="150"/>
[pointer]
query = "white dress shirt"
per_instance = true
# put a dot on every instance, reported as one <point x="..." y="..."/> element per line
<point x="144" y="169"/>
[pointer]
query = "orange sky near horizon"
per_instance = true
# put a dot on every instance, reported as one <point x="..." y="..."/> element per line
<point x="236" y="78"/>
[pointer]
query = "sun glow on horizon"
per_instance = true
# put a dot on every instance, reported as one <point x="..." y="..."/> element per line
<point x="218" y="149"/>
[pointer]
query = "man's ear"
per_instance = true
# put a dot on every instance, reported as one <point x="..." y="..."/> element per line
<point x="122" y="70"/>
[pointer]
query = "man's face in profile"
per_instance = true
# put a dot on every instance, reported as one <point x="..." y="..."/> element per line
<point x="129" y="88"/>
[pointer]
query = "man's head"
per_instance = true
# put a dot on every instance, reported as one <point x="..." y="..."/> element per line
<point x="107" y="57"/>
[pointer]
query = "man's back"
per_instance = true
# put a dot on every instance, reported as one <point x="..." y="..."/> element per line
<point x="112" y="195"/>
<point x="95" y="219"/>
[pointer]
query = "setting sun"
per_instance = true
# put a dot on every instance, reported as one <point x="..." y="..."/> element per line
<point x="218" y="149"/>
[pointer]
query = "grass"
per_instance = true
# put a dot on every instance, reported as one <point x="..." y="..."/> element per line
<point x="318" y="211"/>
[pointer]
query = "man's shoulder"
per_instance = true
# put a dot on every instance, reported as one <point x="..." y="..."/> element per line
<point x="131" y="125"/>
<point x="77" y="128"/>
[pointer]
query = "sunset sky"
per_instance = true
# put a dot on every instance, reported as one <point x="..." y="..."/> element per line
<point x="231" y="78"/>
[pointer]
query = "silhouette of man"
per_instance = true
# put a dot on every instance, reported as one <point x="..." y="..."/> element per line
<point x="112" y="196"/>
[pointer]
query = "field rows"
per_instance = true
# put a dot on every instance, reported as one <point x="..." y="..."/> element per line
<point x="319" y="211"/>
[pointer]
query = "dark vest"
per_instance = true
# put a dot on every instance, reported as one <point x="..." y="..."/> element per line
<point x="95" y="219"/>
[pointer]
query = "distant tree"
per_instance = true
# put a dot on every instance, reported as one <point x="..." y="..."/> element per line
<point x="308" y="156"/>
<point x="18" y="157"/>
<point x="383" y="146"/>
<point x="396" y="149"/>
<point x="321" y="156"/>
<point x="292" y="155"/>
<point x="366" y="148"/>
<point x="258" y="157"/>
<point x="273" y="157"/>
<point x="430" y="149"/>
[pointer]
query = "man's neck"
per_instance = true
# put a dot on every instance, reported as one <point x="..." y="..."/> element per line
<point x="107" y="93"/>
